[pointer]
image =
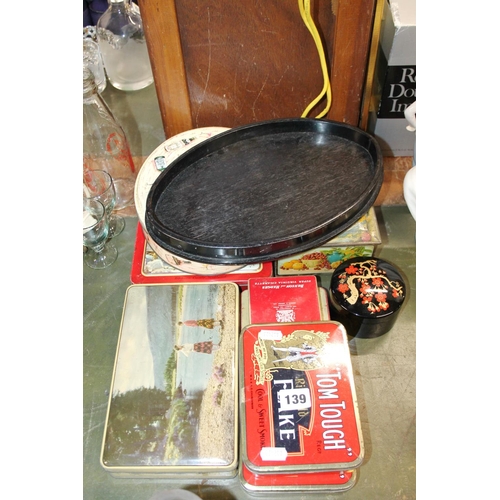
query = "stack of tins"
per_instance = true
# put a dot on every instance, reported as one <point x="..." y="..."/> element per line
<point x="300" y="427"/>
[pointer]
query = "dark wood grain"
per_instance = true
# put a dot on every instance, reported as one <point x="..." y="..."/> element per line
<point x="350" y="59"/>
<point x="226" y="63"/>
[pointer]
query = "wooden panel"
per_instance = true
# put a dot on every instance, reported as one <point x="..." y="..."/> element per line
<point x="226" y="63"/>
<point x="350" y="58"/>
<point x="162" y="36"/>
<point x="366" y="105"/>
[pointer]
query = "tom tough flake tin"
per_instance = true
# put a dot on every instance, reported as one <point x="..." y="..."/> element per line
<point x="330" y="481"/>
<point x="172" y="409"/>
<point x="298" y="400"/>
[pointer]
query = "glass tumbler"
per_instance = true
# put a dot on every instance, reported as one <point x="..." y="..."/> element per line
<point x="92" y="59"/>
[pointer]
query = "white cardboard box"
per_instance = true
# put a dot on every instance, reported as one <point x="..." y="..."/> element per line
<point x="394" y="85"/>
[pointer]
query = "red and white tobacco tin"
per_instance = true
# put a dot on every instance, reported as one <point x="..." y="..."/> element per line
<point x="331" y="481"/>
<point x="298" y="400"/>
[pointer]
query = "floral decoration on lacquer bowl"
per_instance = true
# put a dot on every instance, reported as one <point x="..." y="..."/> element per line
<point x="367" y="294"/>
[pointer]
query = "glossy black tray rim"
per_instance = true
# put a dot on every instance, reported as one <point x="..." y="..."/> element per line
<point x="207" y="252"/>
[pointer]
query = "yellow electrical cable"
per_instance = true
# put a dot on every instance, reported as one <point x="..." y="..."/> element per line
<point x="326" y="88"/>
<point x="321" y="53"/>
<point x="305" y="12"/>
<point x="302" y="8"/>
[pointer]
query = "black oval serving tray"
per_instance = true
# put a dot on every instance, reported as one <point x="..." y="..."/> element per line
<point x="264" y="191"/>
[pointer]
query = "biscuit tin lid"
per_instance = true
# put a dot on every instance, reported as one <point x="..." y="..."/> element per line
<point x="173" y="407"/>
<point x="333" y="481"/>
<point x="298" y="400"/>
<point x="148" y="267"/>
<point x="284" y="299"/>
<point x="368" y="287"/>
<point x="364" y="231"/>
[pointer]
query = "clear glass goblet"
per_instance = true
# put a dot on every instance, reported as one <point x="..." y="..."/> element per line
<point x="99" y="185"/>
<point x="99" y="255"/>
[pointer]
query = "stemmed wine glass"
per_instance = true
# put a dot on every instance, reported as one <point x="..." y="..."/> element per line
<point x="99" y="255"/>
<point x="99" y="185"/>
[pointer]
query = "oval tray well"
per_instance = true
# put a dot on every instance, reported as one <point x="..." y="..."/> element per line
<point x="263" y="191"/>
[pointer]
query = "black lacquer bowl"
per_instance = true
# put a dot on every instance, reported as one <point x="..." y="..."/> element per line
<point x="366" y="294"/>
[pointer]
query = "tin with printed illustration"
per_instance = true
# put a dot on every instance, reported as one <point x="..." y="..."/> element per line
<point x="173" y="408"/>
<point x="298" y="402"/>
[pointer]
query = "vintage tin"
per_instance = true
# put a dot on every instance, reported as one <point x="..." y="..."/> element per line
<point x="366" y="295"/>
<point x="148" y="267"/>
<point x="358" y="240"/>
<point x="284" y="299"/>
<point x="172" y="408"/>
<point x="306" y="482"/>
<point x="323" y="306"/>
<point x="298" y="402"/>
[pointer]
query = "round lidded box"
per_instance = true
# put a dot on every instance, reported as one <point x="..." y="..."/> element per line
<point x="366" y="294"/>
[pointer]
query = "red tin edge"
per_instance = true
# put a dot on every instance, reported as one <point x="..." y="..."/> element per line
<point x="139" y="276"/>
<point x="299" y="408"/>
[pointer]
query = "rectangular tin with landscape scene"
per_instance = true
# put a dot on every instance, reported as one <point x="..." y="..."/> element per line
<point x="172" y="408"/>
<point x="298" y="402"/>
